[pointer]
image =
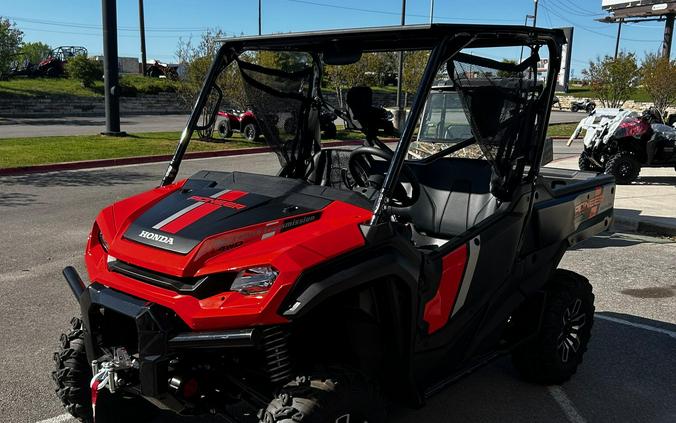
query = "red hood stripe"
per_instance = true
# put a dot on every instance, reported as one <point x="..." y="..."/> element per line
<point x="199" y="212"/>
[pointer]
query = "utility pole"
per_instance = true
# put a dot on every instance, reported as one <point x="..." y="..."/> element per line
<point x="668" y="36"/>
<point x="617" y="42"/>
<point x="142" y="26"/>
<point x="525" y="23"/>
<point x="110" y="68"/>
<point x="260" y="23"/>
<point x="399" y="118"/>
<point x="535" y="14"/>
<point x="431" y="12"/>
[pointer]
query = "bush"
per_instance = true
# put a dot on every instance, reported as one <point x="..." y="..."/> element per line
<point x="613" y="81"/>
<point x="85" y="70"/>
<point x="659" y="80"/>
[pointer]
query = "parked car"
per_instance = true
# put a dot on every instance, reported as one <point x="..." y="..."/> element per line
<point x="352" y="277"/>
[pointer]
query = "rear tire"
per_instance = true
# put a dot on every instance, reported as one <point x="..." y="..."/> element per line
<point x="73" y="373"/>
<point x="339" y="396"/>
<point x="554" y="355"/>
<point x="574" y="108"/>
<point x="624" y="167"/>
<point x="224" y="129"/>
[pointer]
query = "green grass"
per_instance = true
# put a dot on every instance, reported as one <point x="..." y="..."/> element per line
<point x="584" y="92"/>
<point x="40" y="87"/>
<point x="561" y="130"/>
<point x="15" y="152"/>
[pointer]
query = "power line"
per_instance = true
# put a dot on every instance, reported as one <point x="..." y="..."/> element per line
<point x="385" y="12"/>
<point x="584" y="28"/>
<point x="99" y="27"/>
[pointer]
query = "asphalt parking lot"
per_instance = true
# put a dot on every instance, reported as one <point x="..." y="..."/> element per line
<point x="629" y="372"/>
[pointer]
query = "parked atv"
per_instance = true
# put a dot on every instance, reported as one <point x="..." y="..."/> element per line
<point x="354" y="276"/>
<point x="620" y="143"/>
<point x="234" y="120"/>
<point x="55" y="64"/>
<point x="586" y="105"/>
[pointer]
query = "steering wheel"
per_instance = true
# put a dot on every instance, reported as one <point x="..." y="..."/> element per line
<point x="361" y="171"/>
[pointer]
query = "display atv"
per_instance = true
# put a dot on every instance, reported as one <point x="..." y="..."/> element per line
<point x="621" y="142"/>
<point x="354" y="276"/>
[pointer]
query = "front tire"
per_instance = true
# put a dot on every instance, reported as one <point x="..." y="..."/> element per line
<point x="624" y="167"/>
<point x="585" y="163"/>
<point x="224" y="129"/>
<point x="250" y="132"/>
<point x="554" y="354"/>
<point x="73" y="373"/>
<point x="339" y="396"/>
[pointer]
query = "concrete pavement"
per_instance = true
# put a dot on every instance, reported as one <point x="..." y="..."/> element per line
<point x="647" y="205"/>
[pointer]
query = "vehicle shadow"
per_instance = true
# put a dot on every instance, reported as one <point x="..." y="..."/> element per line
<point x="80" y="121"/>
<point x="627" y="375"/>
<point x="655" y="180"/>
<point x="605" y="240"/>
<point x="78" y="178"/>
<point x="636" y="215"/>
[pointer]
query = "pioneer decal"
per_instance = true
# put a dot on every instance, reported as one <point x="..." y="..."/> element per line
<point x="157" y="237"/>
<point x="592" y="203"/>
<point x="219" y="202"/>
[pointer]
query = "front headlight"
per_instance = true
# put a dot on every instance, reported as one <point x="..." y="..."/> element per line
<point x="254" y="280"/>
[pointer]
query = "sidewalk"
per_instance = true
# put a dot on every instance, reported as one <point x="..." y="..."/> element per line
<point x="648" y="205"/>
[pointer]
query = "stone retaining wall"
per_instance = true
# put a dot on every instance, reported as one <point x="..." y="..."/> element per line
<point x="54" y="106"/>
<point x="638" y="106"/>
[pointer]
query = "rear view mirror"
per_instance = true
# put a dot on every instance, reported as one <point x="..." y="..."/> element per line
<point x="340" y="54"/>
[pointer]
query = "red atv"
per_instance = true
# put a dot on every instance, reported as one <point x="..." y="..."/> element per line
<point x="353" y="276"/>
<point x="244" y="122"/>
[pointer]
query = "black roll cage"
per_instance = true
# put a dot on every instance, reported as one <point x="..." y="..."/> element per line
<point x="444" y="41"/>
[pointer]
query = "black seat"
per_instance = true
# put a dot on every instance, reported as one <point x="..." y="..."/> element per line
<point x="455" y="195"/>
<point x="360" y="109"/>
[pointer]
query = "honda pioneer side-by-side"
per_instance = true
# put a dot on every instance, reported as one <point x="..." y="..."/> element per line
<point x="354" y="277"/>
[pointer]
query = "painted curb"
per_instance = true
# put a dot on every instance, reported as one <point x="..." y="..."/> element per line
<point x="93" y="164"/>
<point x="643" y="226"/>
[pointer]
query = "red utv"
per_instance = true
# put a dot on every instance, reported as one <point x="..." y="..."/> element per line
<point x="54" y="65"/>
<point x="353" y="276"/>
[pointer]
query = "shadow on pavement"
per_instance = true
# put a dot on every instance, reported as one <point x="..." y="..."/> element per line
<point x="636" y="215"/>
<point x="656" y="180"/>
<point x="82" y="121"/>
<point x="17" y="199"/>
<point x="605" y="240"/>
<point x="78" y="178"/>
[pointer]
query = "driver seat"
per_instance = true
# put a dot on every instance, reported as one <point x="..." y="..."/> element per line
<point x="454" y="196"/>
<point x="360" y="109"/>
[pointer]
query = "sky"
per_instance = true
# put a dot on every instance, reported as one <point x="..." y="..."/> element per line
<point x="78" y="22"/>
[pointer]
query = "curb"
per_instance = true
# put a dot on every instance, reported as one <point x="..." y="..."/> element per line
<point x="93" y="164"/>
<point x="643" y="226"/>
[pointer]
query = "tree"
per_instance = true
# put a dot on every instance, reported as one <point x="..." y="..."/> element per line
<point x="10" y="43"/>
<point x="508" y="74"/>
<point x="658" y="76"/>
<point x="613" y="80"/>
<point x="35" y="52"/>
<point x="84" y="69"/>
<point x="415" y="63"/>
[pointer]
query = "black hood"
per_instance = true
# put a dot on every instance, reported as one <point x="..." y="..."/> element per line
<point x="210" y="203"/>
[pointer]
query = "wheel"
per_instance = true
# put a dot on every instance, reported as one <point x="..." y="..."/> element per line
<point x="590" y="107"/>
<point x="250" y="132"/>
<point x="338" y="395"/>
<point x="585" y="163"/>
<point x="73" y="373"/>
<point x="224" y="129"/>
<point x="574" y="108"/>
<point x="624" y="167"/>
<point x="330" y="131"/>
<point x="554" y="354"/>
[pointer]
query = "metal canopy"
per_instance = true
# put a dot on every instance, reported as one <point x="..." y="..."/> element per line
<point x="410" y="37"/>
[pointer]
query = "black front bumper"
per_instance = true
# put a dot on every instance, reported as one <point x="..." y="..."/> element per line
<point x="155" y="333"/>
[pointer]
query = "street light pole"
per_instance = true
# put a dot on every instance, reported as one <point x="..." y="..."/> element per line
<point x="110" y="71"/>
<point x="535" y="14"/>
<point x="617" y="42"/>
<point x="400" y="75"/>
<point x="142" y="27"/>
<point x="431" y="12"/>
<point x="260" y="23"/>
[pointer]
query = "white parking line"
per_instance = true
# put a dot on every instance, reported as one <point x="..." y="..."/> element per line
<point x="637" y="325"/>
<point x="58" y="419"/>
<point x="566" y="404"/>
